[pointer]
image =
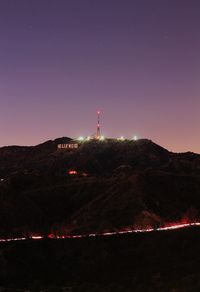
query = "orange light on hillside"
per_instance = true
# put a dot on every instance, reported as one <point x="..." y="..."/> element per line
<point x="72" y="172"/>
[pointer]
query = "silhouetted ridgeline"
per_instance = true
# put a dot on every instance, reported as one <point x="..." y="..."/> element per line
<point x="95" y="157"/>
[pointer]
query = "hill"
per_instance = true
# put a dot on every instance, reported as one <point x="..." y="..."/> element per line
<point x="129" y="184"/>
<point x="95" y="157"/>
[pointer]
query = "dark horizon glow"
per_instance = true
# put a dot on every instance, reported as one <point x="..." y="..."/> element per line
<point x="137" y="61"/>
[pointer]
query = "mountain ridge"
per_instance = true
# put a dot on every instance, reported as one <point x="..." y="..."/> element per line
<point x="94" y="157"/>
<point x="117" y="185"/>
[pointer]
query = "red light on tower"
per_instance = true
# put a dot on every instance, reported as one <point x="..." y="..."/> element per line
<point x="98" y="134"/>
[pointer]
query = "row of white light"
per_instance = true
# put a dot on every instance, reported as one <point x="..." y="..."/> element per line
<point x="135" y="138"/>
<point x="81" y="138"/>
<point x="102" y="138"/>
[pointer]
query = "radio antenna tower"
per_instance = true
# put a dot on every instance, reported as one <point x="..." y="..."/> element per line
<point x="98" y="134"/>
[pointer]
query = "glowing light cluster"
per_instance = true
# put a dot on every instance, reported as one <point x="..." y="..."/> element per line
<point x="72" y="172"/>
<point x="89" y="138"/>
<point x="135" y="138"/>
<point x="102" y="138"/>
<point x="121" y="138"/>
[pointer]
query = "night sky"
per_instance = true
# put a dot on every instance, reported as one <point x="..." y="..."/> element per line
<point x="138" y="61"/>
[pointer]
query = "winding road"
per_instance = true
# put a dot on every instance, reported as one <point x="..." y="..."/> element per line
<point x="114" y="233"/>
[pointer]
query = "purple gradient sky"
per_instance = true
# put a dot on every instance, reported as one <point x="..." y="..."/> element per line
<point x="136" y="60"/>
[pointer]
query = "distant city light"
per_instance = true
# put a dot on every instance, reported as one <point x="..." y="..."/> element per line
<point x="88" y="138"/>
<point x="102" y="138"/>
<point x="121" y="138"/>
<point x="135" y="138"/>
<point x="80" y="138"/>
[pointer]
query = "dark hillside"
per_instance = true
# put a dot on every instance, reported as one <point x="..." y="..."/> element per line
<point x="130" y="184"/>
<point x="62" y="205"/>
<point x="119" y="185"/>
<point x="104" y="157"/>
<point x="32" y="159"/>
<point x="139" y="201"/>
<point x="96" y="158"/>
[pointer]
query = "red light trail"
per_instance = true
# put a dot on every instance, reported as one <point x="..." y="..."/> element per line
<point x="113" y="233"/>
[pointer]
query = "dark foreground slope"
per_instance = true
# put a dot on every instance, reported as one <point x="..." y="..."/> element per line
<point x="158" y="261"/>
